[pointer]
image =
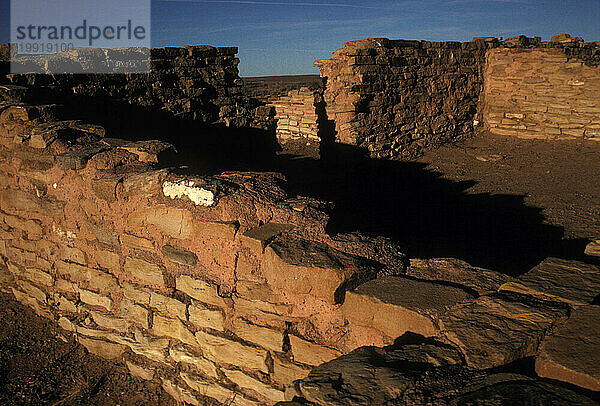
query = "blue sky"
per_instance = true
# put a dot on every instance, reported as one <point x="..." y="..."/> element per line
<point x="285" y="37"/>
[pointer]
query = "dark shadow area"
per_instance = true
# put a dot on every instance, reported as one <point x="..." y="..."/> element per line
<point x="429" y="216"/>
<point x="202" y="148"/>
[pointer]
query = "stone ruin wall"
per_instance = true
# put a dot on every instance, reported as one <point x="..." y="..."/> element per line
<point x="542" y="93"/>
<point x="296" y="115"/>
<point x="397" y="97"/>
<point x="194" y="83"/>
<point x="394" y="98"/>
<point x="222" y="286"/>
<point x="226" y="287"/>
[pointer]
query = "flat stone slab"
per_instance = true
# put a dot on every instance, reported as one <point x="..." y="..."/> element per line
<point x="571" y="353"/>
<point x="410" y="374"/>
<point x="395" y="305"/>
<point x="180" y="257"/>
<point x="495" y="330"/>
<point x="483" y="281"/>
<point x="258" y="238"/>
<point x="305" y="267"/>
<point x="147" y="151"/>
<point x="564" y="280"/>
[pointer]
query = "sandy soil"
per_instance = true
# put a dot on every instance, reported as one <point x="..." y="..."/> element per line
<point x="560" y="177"/>
<point x="41" y="365"/>
<point x="497" y="202"/>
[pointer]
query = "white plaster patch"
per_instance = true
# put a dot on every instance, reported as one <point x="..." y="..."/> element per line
<point x="198" y="195"/>
<point x="70" y="235"/>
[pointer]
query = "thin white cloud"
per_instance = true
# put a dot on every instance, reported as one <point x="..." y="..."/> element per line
<point x="276" y="3"/>
<point x="303" y="25"/>
<point x="488" y="1"/>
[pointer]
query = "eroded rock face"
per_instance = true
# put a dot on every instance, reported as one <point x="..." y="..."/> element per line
<point x="593" y="248"/>
<point x="417" y="373"/>
<point x="571" y="353"/>
<point x="421" y="373"/>
<point x="498" y="329"/>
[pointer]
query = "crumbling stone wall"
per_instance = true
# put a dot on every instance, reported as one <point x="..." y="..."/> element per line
<point x="547" y="93"/>
<point x="194" y="82"/>
<point x="397" y="97"/>
<point x="227" y="288"/>
<point x="296" y="115"/>
<point x="222" y="287"/>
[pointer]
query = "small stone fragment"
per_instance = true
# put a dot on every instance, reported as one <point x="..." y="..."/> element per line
<point x="199" y="290"/>
<point x="593" y="249"/>
<point x="284" y="373"/>
<point x="102" y="348"/>
<point x="185" y="258"/>
<point x="146" y="272"/>
<point x="141" y="372"/>
<point x="168" y="305"/>
<point x="136" y="242"/>
<point x="223" y="350"/>
<point x="201" y="364"/>
<point x="174" y="328"/>
<point x="265" y="337"/>
<point x="246" y="382"/>
<point x="206" y="318"/>
<point x="258" y="238"/>
<point x="309" y="353"/>
<point x="94" y="299"/>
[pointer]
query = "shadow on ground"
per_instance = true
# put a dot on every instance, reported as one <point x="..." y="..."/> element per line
<point x="428" y="215"/>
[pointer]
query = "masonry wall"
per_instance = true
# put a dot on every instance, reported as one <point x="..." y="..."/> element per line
<point x="296" y="115"/>
<point x="546" y="93"/>
<point x="397" y="97"/>
<point x="195" y="82"/>
<point x="225" y="288"/>
<point x="222" y="287"/>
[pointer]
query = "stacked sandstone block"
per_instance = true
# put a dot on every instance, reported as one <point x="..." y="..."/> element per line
<point x="296" y="115"/>
<point x="397" y="97"/>
<point x="542" y="93"/>
<point x="193" y="82"/>
<point x="221" y="287"/>
<point x="224" y="288"/>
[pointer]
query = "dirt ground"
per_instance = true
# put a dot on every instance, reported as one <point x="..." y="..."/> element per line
<point x="500" y="203"/>
<point x="41" y="365"/>
<point x="560" y="177"/>
<point x="506" y="201"/>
